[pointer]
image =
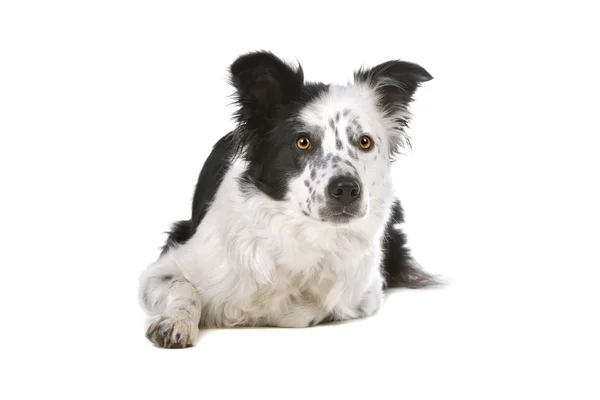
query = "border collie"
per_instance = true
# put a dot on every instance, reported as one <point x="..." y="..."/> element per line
<point x="294" y="218"/>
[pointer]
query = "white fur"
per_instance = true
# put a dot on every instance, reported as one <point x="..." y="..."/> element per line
<point x="257" y="261"/>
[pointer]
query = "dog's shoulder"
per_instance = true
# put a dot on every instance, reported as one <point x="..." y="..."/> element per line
<point x="211" y="175"/>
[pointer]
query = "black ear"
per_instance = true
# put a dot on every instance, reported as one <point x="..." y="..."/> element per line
<point x="263" y="82"/>
<point x="395" y="82"/>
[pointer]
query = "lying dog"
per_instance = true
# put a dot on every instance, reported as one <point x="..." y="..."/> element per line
<point x="294" y="219"/>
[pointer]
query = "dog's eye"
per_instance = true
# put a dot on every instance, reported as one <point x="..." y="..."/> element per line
<point x="303" y="143"/>
<point x="365" y="142"/>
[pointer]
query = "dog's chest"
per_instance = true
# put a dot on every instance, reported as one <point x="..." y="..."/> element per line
<point x="295" y="299"/>
<point x="307" y="283"/>
<point x="288" y="272"/>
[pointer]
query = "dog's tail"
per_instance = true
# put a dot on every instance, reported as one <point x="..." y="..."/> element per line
<point x="404" y="272"/>
<point x="399" y="268"/>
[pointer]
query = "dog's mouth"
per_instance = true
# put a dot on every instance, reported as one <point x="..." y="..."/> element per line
<point x="343" y="216"/>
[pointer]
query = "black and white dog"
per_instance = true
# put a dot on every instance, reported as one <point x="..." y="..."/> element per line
<point x="294" y="219"/>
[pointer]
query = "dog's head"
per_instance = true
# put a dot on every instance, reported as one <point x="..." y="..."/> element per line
<point x="324" y="150"/>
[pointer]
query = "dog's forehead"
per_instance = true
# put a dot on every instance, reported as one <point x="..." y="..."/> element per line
<point x="339" y="108"/>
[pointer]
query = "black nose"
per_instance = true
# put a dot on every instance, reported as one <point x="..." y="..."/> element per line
<point x="344" y="189"/>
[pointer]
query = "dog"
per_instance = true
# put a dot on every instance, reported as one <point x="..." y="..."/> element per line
<point x="294" y="217"/>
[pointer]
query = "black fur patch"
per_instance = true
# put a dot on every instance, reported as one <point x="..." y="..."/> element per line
<point x="396" y="81"/>
<point x="209" y="180"/>
<point x="270" y="94"/>
<point x="400" y="269"/>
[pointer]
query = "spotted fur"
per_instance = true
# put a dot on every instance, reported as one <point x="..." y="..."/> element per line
<point x="281" y="236"/>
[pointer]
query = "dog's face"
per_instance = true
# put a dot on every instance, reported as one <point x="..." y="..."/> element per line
<point x="324" y="151"/>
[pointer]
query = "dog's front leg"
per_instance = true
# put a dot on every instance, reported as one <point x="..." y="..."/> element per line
<point x="372" y="299"/>
<point x="173" y="304"/>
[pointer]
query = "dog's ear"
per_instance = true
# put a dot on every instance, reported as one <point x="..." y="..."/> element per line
<point x="395" y="82"/>
<point x="263" y="82"/>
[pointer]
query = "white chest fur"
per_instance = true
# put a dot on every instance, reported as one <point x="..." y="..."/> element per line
<point x="254" y="263"/>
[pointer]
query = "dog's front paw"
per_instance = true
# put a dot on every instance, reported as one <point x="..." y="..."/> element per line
<point x="173" y="332"/>
<point x="371" y="303"/>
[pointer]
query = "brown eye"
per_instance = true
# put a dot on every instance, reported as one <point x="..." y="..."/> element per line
<point x="303" y="143"/>
<point x="365" y="142"/>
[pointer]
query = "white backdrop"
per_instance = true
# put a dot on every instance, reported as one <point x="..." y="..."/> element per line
<point x="108" y="110"/>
